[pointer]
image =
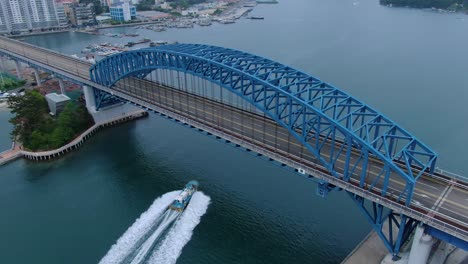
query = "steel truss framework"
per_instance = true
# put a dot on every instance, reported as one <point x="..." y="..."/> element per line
<point x="400" y="226"/>
<point x="329" y="122"/>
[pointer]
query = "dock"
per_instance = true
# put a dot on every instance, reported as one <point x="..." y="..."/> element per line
<point x="10" y="154"/>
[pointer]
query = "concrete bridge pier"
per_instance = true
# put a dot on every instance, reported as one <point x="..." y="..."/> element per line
<point x="38" y="78"/>
<point x="421" y="247"/>
<point x="62" y="86"/>
<point x="89" y="98"/>
<point x="3" y="67"/>
<point x="18" y="69"/>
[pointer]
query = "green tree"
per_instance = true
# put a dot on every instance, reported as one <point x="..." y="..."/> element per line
<point x="145" y="5"/>
<point x="442" y="4"/>
<point x="98" y="8"/>
<point x="31" y="112"/>
<point x="37" y="140"/>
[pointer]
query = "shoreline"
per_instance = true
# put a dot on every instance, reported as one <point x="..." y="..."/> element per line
<point x="228" y="13"/>
<point x="3" y="105"/>
<point x="17" y="152"/>
<point x="431" y="9"/>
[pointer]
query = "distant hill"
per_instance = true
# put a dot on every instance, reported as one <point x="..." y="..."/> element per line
<point x="457" y="5"/>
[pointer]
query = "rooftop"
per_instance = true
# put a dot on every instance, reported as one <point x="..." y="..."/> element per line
<point x="57" y="97"/>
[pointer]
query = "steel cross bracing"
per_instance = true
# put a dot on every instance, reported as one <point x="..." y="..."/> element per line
<point x="313" y="111"/>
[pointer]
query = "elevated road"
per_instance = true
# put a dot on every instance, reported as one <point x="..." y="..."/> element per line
<point x="439" y="200"/>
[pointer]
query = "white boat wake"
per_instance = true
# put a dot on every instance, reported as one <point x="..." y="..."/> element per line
<point x="179" y="235"/>
<point x="141" y="240"/>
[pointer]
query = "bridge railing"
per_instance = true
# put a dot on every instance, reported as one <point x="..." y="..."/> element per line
<point x="451" y="174"/>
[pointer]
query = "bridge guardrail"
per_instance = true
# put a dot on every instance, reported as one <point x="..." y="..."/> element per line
<point x="451" y="174"/>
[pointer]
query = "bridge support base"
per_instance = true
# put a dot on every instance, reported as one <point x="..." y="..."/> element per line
<point x="62" y="86"/>
<point x="38" y="78"/>
<point x="3" y="67"/>
<point x="89" y="98"/>
<point x="400" y="226"/>
<point x="18" y="69"/>
<point x="421" y="247"/>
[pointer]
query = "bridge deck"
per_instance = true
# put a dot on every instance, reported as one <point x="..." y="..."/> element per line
<point x="438" y="200"/>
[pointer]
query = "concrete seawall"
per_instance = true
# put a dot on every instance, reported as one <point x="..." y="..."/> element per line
<point x="371" y="250"/>
<point x="15" y="152"/>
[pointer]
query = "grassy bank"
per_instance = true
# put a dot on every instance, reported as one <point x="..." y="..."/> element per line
<point x="8" y="82"/>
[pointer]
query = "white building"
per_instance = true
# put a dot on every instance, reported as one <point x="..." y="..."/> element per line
<point x="123" y="11"/>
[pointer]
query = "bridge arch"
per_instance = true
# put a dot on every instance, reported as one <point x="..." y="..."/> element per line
<point x="329" y="122"/>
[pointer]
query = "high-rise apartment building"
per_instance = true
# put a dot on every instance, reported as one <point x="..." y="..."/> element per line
<point x="80" y="14"/>
<point x="23" y="15"/>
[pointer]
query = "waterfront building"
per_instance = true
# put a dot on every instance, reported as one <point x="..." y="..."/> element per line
<point x="80" y="15"/>
<point x="3" y="22"/>
<point x="23" y="15"/>
<point x="62" y="17"/>
<point x="14" y="15"/>
<point x="123" y="11"/>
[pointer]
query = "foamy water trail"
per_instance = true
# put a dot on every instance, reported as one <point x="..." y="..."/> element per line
<point x="144" y="250"/>
<point x="127" y="241"/>
<point x="181" y="233"/>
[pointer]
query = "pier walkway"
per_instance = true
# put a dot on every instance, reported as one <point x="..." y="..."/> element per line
<point x="10" y="154"/>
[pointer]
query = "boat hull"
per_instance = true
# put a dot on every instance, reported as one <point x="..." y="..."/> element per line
<point x="182" y="200"/>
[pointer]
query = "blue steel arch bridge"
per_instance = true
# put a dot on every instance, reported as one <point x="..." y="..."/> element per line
<point x="285" y="116"/>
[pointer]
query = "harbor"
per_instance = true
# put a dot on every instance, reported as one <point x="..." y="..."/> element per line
<point x="229" y="15"/>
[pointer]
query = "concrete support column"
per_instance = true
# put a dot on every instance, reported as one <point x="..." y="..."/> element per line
<point x="18" y="69"/>
<point x="62" y="86"/>
<point x="38" y="79"/>
<point x="3" y="64"/>
<point x="421" y="247"/>
<point x="89" y="98"/>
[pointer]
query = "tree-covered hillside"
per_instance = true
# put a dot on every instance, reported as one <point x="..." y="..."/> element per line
<point x="442" y="4"/>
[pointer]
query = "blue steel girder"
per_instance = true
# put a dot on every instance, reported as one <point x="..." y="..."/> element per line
<point x="104" y="99"/>
<point x="399" y="226"/>
<point x="316" y="113"/>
